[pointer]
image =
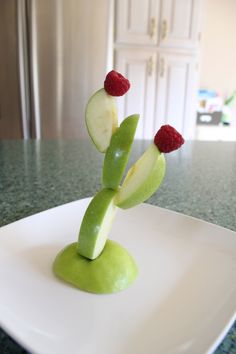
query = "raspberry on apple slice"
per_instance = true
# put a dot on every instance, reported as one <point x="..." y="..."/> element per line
<point x="116" y="84"/>
<point x="168" y="139"/>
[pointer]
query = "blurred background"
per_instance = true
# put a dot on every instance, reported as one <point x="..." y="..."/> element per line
<point x="178" y="54"/>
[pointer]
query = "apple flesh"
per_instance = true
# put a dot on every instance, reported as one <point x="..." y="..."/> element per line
<point x="96" y="224"/>
<point x="143" y="179"/>
<point x="118" y="152"/>
<point x="101" y="119"/>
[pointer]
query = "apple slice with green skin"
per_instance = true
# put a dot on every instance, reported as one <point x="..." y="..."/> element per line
<point x="143" y="179"/>
<point x="96" y="224"/>
<point x="114" y="270"/>
<point x="101" y="119"/>
<point x="117" y="154"/>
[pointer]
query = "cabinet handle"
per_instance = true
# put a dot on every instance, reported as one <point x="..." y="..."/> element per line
<point x="153" y="27"/>
<point x="162" y="67"/>
<point x="164" y="29"/>
<point x="150" y="66"/>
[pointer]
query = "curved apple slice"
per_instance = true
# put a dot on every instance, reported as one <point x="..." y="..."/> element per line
<point x="101" y="119"/>
<point x="143" y="178"/>
<point x="96" y="224"/>
<point x="117" y="154"/>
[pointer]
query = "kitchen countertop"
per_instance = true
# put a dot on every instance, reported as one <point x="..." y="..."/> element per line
<point x="37" y="175"/>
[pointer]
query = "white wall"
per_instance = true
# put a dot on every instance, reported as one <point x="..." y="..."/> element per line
<point x="218" y="55"/>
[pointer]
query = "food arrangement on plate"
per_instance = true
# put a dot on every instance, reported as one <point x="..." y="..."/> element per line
<point x="95" y="263"/>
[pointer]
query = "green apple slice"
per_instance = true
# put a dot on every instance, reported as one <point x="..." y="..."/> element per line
<point x="101" y="119"/>
<point x="96" y="224"/>
<point x="117" y="154"/>
<point x="114" y="270"/>
<point x="143" y="178"/>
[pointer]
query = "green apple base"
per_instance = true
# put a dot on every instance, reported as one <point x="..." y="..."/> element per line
<point x="112" y="271"/>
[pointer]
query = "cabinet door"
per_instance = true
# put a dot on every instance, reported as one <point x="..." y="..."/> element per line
<point x="139" y="66"/>
<point x="177" y="93"/>
<point x="137" y="21"/>
<point x="180" y="23"/>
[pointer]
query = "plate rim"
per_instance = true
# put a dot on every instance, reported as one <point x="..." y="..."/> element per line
<point x="141" y="204"/>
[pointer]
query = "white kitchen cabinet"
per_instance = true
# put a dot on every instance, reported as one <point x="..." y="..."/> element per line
<point x="137" y="21"/>
<point x="139" y="66"/>
<point x="156" y="47"/>
<point x="176" y="92"/>
<point x="163" y="91"/>
<point x="180" y="24"/>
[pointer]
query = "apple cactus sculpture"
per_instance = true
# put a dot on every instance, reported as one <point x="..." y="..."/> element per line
<point x="94" y="263"/>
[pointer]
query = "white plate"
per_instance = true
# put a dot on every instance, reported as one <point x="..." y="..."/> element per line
<point x="183" y="300"/>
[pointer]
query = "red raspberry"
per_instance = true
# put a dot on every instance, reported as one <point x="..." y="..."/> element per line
<point x="115" y="84"/>
<point x="167" y="139"/>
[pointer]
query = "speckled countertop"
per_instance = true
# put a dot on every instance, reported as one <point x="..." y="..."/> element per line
<point x="35" y="176"/>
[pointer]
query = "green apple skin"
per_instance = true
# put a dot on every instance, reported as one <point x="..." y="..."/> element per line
<point x="114" y="270"/>
<point x="101" y="119"/>
<point x="96" y="224"/>
<point x="143" y="179"/>
<point x="118" y="152"/>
